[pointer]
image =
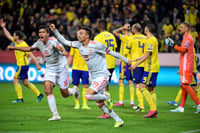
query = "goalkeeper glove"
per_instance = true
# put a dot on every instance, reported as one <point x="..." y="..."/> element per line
<point x="169" y="42"/>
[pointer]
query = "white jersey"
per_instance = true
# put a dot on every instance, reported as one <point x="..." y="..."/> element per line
<point x="55" y="61"/>
<point x="93" y="54"/>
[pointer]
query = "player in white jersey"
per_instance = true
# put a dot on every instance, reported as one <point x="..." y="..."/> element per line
<point x="94" y="55"/>
<point x="56" y="70"/>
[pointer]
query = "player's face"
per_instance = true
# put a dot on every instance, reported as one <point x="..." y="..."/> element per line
<point x="145" y="30"/>
<point x="43" y="35"/>
<point x="183" y="29"/>
<point x="15" y="37"/>
<point x="82" y="35"/>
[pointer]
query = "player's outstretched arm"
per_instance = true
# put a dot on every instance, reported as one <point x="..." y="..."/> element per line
<point x="25" y="49"/>
<point x="117" y="55"/>
<point x="35" y="61"/>
<point x="6" y="32"/>
<point x="59" y="36"/>
<point x="62" y="49"/>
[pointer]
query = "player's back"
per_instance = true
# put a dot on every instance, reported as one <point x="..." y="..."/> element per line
<point x="151" y="64"/>
<point x="109" y="41"/>
<point x="21" y="56"/>
<point x="187" y="59"/>
<point x="78" y="61"/>
<point x="137" y="44"/>
<point x="124" y="47"/>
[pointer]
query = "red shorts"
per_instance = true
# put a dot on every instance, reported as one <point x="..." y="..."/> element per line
<point x="186" y="77"/>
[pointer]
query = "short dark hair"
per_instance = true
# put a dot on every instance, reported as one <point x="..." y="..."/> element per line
<point x="44" y="27"/>
<point x="137" y="27"/>
<point x="20" y="34"/>
<point x="87" y="29"/>
<point x="187" y="24"/>
<point x="103" y="23"/>
<point x="151" y="28"/>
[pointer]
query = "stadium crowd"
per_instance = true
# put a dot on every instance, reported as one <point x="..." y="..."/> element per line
<point x="166" y="15"/>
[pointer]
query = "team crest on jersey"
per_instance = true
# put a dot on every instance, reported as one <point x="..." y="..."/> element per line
<point x="49" y="47"/>
<point x="90" y="51"/>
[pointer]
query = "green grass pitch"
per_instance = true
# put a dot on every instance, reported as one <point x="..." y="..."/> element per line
<point x="30" y="117"/>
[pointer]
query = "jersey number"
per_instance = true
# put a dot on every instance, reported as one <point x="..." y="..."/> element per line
<point x="109" y="44"/>
<point x="46" y="53"/>
<point x="141" y="46"/>
<point x="86" y="57"/>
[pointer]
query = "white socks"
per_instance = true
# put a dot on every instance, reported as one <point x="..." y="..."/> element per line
<point x="52" y="104"/>
<point x="96" y="97"/>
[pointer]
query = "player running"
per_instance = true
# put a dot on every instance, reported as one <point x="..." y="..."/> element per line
<point x="22" y="64"/>
<point x="56" y="68"/>
<point x="93" y="53"/>
<point x="186" y="66"/>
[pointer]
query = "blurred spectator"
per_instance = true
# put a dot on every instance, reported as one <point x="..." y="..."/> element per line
<point x="167" y="28"/>
<point x="194" y="34"/>
<point x="33" y="38"/>
<point x="193" y="16"/>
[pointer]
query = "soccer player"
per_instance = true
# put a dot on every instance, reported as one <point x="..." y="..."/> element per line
<point x="22" y="64"/>
<point x="109" y="40"/>
<point x="124" y="72"/>
<point x="193" y="85"/>
<point x="79" y="71"/>
<point x="151" y="69"/>
<point x="137" y="45"/>
<point x="93" y="53"/>
<point x="56" y="68"/>
<point x="186" y="66"/>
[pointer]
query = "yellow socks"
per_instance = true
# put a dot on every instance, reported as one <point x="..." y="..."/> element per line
<point x="148" y="98"/>
<point x="121" y="92"/>
<point x="131" y="87"/>
<point x="33" y="89"/>
<point x="140" y="98"/>
<point x="83" y="96"/>
<point x="18" y="90"/>
<point x="178" y="97"/>
<point x="154" y="97"/>
<point x="198" y="93"/>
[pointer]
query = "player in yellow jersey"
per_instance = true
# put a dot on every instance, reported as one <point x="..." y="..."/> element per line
<point x="124" y="72"/>
<point x="79" y="71"/>
<point x="137" y="45"/>
<point x="22" y="64"/>
<point x="151" y="69"/>
<point x="193" y="85"/>
<point x="109" y="40"/>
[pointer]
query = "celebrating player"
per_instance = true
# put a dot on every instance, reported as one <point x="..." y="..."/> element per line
<point x="79" y="71"/>
<point x="56" y="68"/>
<point x="124" y="72"/>
<point x="22" y="64"/>
<point x="93" y="53"/>
<point x="109" y="41"/>
<point x="151" y="69"/>
<point x="186" y="66"/>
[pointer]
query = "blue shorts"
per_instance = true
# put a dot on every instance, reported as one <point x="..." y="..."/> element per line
<point x="137" y="74"/>
<point x="149" y="78"/>
<point x="77" y="75"/>
<point x="22" y="72"/>
<point x="111" y="72"/>
<point x="125" y="74"/>
<point x="194" y="80"/>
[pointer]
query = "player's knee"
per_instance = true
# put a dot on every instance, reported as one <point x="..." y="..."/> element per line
<point x="100" y="104"/>
<point x="88" y="97"/>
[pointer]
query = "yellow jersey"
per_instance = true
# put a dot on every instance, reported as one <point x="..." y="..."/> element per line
<point x="151" y="64"/>
<point x="109" y="41"/>
<point x="168" y="29"/>
<point x="124" y="48"/>
<point x="21" y="57"/>
<point x="78" y="61"/>
<point x="137" y="46"/>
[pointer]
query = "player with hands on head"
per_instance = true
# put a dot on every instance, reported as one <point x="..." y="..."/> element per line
<point x="56" y="68"/>
<point x="124" y="35"/>
<point x="22" y="64"/>
<point x="93" y="53"/>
